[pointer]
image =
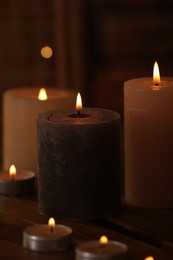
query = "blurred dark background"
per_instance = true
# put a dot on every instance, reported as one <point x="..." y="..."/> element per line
<point x="97" y="45"/>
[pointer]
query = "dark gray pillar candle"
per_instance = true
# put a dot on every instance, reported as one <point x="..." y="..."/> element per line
<point x="79" y="161"/>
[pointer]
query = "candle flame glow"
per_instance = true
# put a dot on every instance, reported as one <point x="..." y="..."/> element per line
<point x="12" y="171"/>
<point x="103" y="240"/>
<point x="51" y="224"/>
<point x="46" y="52"/>
<point x="42" y="95"/>
<point x="78" y="102"/>
<point x="156" y="74"/>
<point x="149" y="258"/>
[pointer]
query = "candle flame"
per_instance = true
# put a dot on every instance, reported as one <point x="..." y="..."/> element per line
<point x="42" y="95"/>
<point x="103" y="240"/>
<point x="78" y="102"/>
<point x="156" y="74"/>
<point x="51" y="224"/>
<point x="149" y="258"/>
<point x="12" y="171"/>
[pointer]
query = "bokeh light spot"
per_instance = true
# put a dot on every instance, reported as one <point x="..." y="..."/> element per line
<point x="46" y="52"/>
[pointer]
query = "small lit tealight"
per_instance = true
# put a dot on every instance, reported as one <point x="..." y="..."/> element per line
<point x="101" y="250"/>
<point x="47" y="238"/>
<point x="15" y="182"/>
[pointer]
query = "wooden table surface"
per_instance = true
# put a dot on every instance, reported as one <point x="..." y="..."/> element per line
<point x="145" y="231"/>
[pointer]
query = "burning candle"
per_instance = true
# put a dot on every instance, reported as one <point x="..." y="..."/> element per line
<point x="149" y="141"/>
<point x="16" y="182"/>
<point x="101" y="250"/>
<point x="47" y="238"/>
<point x="20" y="109"/>
<point x="79" y="160"/>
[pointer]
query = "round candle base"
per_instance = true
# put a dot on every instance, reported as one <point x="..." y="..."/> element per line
<point x="22" y="184"/>
<point x="93" y="250"/>
<point x="40" y="238"/>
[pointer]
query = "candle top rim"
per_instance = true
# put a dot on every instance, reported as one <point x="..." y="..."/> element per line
<point x="93" y="116"/>
<point x="42" y="231"/>
<point x="31" y="93"/>
<point x="147" y="83"/>
<point x="94" y="247"/>
<point x="21" y="175"/>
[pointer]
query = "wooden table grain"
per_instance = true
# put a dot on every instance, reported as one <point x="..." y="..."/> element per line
<point x="145" y="231"/>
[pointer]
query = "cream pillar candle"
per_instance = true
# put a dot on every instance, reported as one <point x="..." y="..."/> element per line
<point x="20" y="109"/>
<point x="149" y="142"/>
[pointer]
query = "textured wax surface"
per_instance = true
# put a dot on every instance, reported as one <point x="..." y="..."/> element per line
<point x="79" y="163"/>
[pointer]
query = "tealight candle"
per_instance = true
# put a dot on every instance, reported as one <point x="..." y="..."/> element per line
<point x="16" y="182"/>
<point x="47" y="238"/>
<point x="149" y="141"/>
<point x="101" y="250"/>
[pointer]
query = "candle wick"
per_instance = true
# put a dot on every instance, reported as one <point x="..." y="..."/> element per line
<point x="102" y="245"/>
<point x="78" y="113"/>
<point x="51" y="229"/>
<point x="12" y="177"/>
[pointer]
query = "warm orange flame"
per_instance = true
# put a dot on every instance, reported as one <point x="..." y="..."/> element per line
<point x="51" y="224"/>
<point x="149" y="258"/>
<point x="156" y="74"/>
<point x="103" y="240"/>
<point x="78" y="102"/>
<point x="42" y="95"/>
<point x="12" y="171"/>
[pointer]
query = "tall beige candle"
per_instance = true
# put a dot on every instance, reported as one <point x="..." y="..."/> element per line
<point x="20" y="109"/>
<point x="149" y="142"/>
